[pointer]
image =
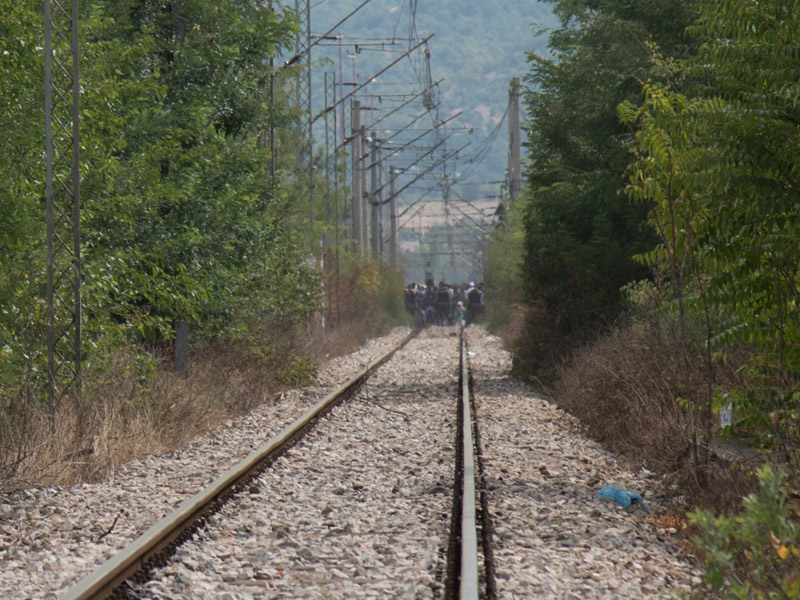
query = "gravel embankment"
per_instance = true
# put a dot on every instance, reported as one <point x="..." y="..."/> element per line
<point x="554" y="537"/>
<point x="51" y="537"/>
<point x="358" y="509"/>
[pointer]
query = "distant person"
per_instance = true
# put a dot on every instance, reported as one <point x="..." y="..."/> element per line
<point x="442" y="303"/>
<point x="430" y="315"/>
<point x="474" y="303"/>
<point x="429" y="298"/>
<point x="460" y="314"/>
<point x="461" y="293"/>
<point x="419" y="317"/>
<point x="411" y="299"/>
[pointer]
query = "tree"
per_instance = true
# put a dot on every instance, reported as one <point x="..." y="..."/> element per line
<point x="22" y="223"/>
<point x="181" y="221"/>
<point x="731" y="140"/>
<point x="581" y="232"/>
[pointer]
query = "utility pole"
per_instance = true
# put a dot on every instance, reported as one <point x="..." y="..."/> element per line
<point x="343" y="131"/>
<point x="62" y="191"/>
<point x="330" y="177"/>
<point x="375" y="224"/>
<point x="364" y="200"/>
<point x="367" y="81"/>
<point x="514" y="133"/>
<point x="357" y="142"/>
<point x="330" y="146"/>
<point x="271" y="141"/>
<point x="392" y="218"/>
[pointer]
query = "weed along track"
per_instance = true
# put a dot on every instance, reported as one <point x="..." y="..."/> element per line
<point x="428" y="482"/>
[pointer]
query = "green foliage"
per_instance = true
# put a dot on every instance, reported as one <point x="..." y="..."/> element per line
<point x="756" y="553"/>
<point x="296" y="371"/>
<point x="380" y="287"/>
<point x="182" y="225"/>
<point x="581" y="233"/>
<point x="641" y="297"/>
<point x="716" y="163"/>
<point x="365" y="296"/>
<point x="391" y="294"/>
<point x="503" y="269"/>
<point x="718" y="168"/>
<point x="179" y="220"/>
<point x="749" y="70"/>
<point x="22" y="173"/>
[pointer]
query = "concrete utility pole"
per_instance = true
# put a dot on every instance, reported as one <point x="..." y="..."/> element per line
<point x="375" y="199"/>
<point x="514" y="133"/>
<point x="392" y="218"/>
<point x="330" y="153"/>
<point x="364" y="194"/>
<point x="357" y="196"/>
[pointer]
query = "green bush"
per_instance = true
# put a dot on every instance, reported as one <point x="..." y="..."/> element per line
<point x="297" y="371"/>
<point x="755" y="554"/>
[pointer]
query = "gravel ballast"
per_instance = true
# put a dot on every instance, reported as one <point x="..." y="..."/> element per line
<point x="360" y="508"/>
<point x="554" y="538"/>
<point x="51" y="537"/>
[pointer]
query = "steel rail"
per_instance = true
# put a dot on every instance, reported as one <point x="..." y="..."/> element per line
<point x="102" y="582"/>
<point x="468" y="576"/>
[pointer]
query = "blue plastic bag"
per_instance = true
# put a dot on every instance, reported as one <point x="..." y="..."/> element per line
<point x="619" y="496"/>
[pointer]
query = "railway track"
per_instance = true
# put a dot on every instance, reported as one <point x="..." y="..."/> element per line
<point x="353" y="499"/>
<point x="362" y="506"/>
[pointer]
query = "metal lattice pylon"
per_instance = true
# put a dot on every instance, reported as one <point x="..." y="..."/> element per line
<point x="332" y="189"/>
<point x="62" y="185"/>
<point x="331" y="151"/>
<point x="303" y="50"/>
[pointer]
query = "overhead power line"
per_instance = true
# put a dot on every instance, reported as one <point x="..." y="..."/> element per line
<point x="355" y="90"/>
<point x="426" y="132"/>
<point x="411" y="99"/>
<point x="425" y="172"/>
<point x="300" y="55"/>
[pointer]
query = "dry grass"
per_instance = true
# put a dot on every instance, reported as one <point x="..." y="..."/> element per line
<point x="131" y="407"/>
<point x="128" y="412"/>
<point x="126" y="415"/>
<point x="624" y="386"/>
<point x="630" y="388"/>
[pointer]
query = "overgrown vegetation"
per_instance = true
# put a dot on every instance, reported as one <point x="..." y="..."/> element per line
<point x="580" y="232"/>
<point x="662" y="255"/>
<point x="755" y="554"/>
<point x="180" y="222"/>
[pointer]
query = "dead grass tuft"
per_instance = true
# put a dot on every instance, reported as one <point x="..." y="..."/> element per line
<point x="130" y="410"/>
<point x="630" y="388"/>
<point x="127" y="415"/>
<point x="623" y="388"/>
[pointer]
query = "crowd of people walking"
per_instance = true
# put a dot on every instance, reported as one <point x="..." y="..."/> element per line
<point x="444" y="304"/>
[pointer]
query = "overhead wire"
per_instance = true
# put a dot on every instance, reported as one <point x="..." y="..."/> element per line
<point x="476" y="158"/>
<point x="418" y="62"/>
